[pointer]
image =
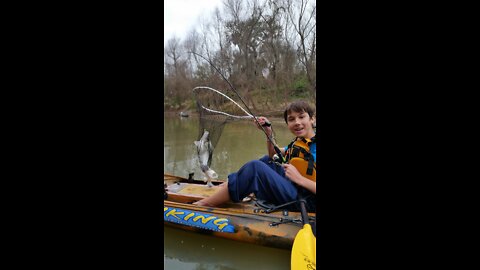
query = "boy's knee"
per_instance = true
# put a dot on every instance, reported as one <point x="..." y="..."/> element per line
<point x="255" y="163"/>
<point x="265" y="159"/>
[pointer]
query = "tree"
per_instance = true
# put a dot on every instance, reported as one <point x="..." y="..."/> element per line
<point x="242" y="39"/>
<point x="303" y="18"/>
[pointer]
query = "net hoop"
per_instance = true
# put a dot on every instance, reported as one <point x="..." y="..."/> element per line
<point x="220" y="112"/>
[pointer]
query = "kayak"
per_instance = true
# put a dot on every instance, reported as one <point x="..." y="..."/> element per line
<point x="250" y="221"/>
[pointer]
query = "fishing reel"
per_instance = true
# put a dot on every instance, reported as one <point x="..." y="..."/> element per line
<point x="278" y="160"/>
<point x="267" y="124"/>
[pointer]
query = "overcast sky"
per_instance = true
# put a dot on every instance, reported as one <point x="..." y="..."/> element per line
<point x="181" y="15"/>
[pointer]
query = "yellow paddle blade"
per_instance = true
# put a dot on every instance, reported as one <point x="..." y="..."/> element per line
<point x="304" y="250"/>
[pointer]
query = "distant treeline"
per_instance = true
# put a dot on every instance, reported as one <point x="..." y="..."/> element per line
<point x="265" y="48"/>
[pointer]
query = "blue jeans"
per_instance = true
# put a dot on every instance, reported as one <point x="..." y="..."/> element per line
<point x="268" y="182"/>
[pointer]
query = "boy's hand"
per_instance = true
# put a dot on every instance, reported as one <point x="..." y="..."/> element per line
<point x="292" y="173"/>
<point x="264" y="122"/>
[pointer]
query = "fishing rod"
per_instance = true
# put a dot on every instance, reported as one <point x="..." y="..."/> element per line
<point x="275" y="147"/>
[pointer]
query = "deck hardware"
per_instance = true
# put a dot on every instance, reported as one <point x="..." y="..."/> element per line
<point x="286" y="220"/>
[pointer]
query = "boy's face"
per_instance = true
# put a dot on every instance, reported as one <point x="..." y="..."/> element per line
<point x="300" y="124"/>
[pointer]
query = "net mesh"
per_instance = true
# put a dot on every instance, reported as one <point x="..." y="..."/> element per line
<point x="216" y="109"/>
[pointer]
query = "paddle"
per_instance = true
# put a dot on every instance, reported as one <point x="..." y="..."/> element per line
<point x="304" y="245"/>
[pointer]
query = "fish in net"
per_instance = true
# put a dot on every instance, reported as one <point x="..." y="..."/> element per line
<point x="215" y="110"/>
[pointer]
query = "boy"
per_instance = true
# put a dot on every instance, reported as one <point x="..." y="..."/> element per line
<point x="275" y="183"/>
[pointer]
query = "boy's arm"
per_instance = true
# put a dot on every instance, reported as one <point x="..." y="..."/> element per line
<point x="308" y="184"/>
<point x="292" y="173"/>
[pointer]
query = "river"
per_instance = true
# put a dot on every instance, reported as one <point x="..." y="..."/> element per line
<point x="240" y="142"/>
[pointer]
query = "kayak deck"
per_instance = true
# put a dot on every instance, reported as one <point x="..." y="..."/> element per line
<point x="244" y="221"/>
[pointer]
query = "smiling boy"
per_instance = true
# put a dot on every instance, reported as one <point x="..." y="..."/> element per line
<point x="277" y="184"/>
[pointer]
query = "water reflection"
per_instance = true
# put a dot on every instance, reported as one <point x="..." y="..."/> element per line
<point x="186" y="250"/>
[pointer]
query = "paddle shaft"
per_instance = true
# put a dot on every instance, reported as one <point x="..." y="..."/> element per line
<point x="303" y="211"/>
<point x="303" y="207"/>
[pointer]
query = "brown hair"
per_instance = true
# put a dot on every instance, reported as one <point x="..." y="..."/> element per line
<point x="299" y="107"/>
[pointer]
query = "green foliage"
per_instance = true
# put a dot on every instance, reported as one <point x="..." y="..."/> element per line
<point x="300" y="87"/>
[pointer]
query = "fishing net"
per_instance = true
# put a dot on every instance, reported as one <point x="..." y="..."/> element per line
<point x="215" y="110"/>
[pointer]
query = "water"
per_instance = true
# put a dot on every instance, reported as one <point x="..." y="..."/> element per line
<point x="186" y="250"/>
<point x="240" y="142"/>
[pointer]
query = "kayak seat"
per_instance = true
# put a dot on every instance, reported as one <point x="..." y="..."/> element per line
<point x="270" y="207"/>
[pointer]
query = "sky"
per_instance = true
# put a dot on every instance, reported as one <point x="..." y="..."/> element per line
<point x="180" y="16"/>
